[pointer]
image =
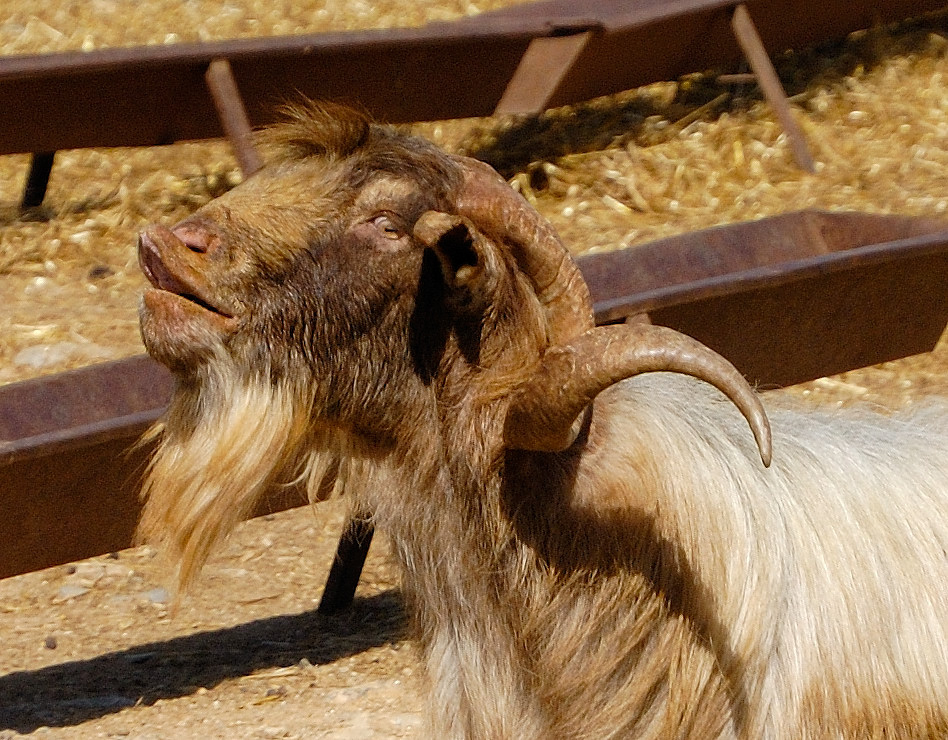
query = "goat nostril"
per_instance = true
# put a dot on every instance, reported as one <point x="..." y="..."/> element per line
<point x="196" y="238"/>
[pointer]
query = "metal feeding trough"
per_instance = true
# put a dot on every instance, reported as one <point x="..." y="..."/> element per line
<point x="69" y="478"/>
<point x="71" y="466"/>
<point x="786" y="299"/>
<point x="789" y="298"/>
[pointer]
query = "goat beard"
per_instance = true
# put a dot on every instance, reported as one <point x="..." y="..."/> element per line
<point x="224" y="442"/>
<point x="227" y="440"/>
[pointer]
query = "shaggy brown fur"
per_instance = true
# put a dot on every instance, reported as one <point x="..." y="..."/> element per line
<point x="338" y="316"/>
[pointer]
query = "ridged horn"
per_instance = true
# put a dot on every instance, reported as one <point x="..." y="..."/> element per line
<point x="546" y="413"/>
<point x="503" y="214"/>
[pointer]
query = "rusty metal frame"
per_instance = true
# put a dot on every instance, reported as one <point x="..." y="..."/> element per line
<point x="787" y="299"/>
<point x="543" y="65"/>
<point x="37" y="180"/>
<point x="753" y="47"/>
<point x="233" y="115"/>
<point x="153" y="95"/>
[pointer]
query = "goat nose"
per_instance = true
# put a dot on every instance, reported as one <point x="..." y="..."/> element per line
<point x="199" y="238"/>
<point x="155" y="237"/>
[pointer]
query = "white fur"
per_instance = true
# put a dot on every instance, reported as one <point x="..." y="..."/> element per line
<point x="828" y="571"/>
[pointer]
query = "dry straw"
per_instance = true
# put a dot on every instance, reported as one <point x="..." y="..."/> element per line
<point x="666" y="159"/>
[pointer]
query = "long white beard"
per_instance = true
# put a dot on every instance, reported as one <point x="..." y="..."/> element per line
<point x="220" y="449"/>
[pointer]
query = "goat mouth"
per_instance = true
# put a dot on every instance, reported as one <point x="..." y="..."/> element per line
<point x="175" y="288"/>
<point x="176" y="299"/>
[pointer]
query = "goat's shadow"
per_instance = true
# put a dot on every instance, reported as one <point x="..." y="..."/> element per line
<point x="75" y="692"/>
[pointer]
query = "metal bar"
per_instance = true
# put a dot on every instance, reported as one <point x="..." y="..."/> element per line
<point x="233" y="115"/>
<point x="543" y="67"/>
<point x="347" y="567"/>
<point x="759" y="61"/>
<point x="37" y="180"/>
<point x="69" y="476"/>
<point x="153" y="95"/>
<point x="869" y="287"/>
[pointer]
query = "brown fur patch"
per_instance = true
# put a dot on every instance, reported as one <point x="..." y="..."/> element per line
<point x="831" y="709"/>
<point x="311" y="129"/>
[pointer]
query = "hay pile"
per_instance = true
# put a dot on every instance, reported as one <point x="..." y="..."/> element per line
<point x="676" y="157"/>
<point x="666" y="159"/>
<point x="65" y="25"/>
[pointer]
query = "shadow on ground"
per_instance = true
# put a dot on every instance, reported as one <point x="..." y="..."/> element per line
<point x="619" y="120"/>
<point x="75" y="692"/>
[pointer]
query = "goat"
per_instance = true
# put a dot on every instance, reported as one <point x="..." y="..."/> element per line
<point x="589" y="551"/>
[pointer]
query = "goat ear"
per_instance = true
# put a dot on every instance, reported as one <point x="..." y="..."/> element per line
<point x="462" y="251"/>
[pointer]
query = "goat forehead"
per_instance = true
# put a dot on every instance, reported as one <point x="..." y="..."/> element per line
<point x="386" y="191"/>
<point x="295" y="184"/>
<point x="311" y="191"/>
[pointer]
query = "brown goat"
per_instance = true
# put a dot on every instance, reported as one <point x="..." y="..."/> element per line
<point x="586" y="558"/>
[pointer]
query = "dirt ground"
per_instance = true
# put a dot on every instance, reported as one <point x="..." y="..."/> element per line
<point x="96" y="649"/>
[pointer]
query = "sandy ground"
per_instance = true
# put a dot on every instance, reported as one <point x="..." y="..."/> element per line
<point x="95" y="649"/>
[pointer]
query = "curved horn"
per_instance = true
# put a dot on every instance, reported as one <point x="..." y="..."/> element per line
<point x="545" y="415"/>
<point x="502" y="213"/>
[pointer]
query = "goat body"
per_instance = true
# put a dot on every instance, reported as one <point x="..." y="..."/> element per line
<point x="591" y="558"/>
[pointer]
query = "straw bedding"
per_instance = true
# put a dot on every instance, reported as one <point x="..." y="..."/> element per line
<point x="669" y="158"/>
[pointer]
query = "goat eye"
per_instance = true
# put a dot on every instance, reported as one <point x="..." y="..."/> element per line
<point x="386" y="227"/>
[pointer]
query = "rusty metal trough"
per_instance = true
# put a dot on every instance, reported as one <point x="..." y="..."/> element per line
<point x="792" y="297"/>
<point x="519" y="59"/>
<point x="787" y="299"/>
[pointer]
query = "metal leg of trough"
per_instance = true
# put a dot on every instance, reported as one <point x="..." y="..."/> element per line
<point x="41" y="165"/>
<point x="233" y="115"/>
<point x="541" y="69"/>
<point x="347" y="567"/>
<point x="753" y="48"/>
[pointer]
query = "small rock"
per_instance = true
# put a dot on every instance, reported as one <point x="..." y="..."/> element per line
<point x="37" y="285"/>
<point x="70" y="591"/>
<point x="116" y="570"/>
<point x="50" y="643"/>
<point x="36" y="32"/>
<point x="158" y="596"/>
<point x="102" y="701"/>
<point x="88" y="574"/>
<point x="138" y="657"/>
<point x="100" y="271"/>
